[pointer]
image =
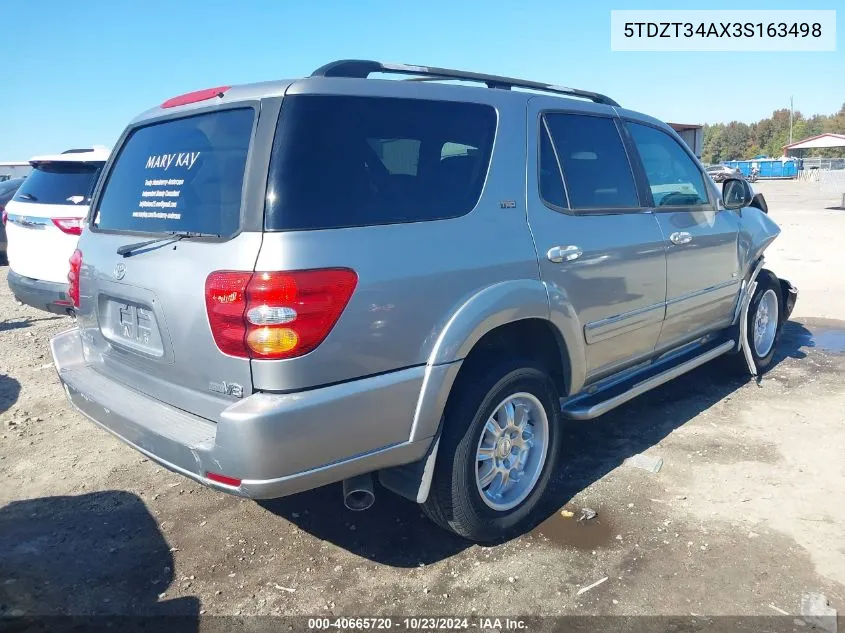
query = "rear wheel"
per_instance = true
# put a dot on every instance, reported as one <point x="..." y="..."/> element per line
<point x="498" y="448"/>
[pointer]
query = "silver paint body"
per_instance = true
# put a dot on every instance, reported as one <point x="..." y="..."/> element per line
<point x="371" y="396"/>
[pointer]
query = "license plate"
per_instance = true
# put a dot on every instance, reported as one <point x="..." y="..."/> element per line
<point x="131" y="325"/>
<point x="136" y="324"/>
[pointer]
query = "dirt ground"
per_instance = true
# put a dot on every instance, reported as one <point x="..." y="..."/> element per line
<point x="746" y="514"/>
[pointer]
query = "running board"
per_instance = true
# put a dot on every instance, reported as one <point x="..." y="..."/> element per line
<point x="586" y="408"/>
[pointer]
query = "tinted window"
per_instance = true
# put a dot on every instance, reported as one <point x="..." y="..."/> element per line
<point x="180" y="175"/>
<point x="8" y="186"/>
<point x="59" y="183"/>
<point x="674" y="179"/>
<point x="595" y="166"/>
<point x="352" y="161"/>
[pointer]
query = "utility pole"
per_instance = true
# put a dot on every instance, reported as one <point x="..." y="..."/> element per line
<point x="790" y="120"/>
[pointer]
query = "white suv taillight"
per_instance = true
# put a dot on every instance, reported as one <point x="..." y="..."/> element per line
<point x="71" y="226"/>
<point x="73" y="277"/>
<point x="275" y="315"/>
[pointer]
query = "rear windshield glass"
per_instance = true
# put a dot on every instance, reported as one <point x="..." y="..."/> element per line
<point x="10" y="185"/>
<point x="342" y="161"/>
<point x="180" y="175"/>
<point x="60" y="183"/>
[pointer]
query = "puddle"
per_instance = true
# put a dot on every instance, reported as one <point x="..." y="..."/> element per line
<point x="592" y="534"/>
<point x="831" y="340"/>
<point x="823" y="334"/>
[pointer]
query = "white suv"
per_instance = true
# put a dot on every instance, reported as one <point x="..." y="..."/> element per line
<point x="44" y="221"/>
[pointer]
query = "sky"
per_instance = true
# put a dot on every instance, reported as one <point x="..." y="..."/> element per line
<point x="75" y="73"/>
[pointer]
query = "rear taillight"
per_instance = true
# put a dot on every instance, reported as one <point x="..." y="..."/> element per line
<point x="73" y="277"/>
<point x="71" y="226"/>
<point x="274" y="315"/>
<point x="4" y="215"/>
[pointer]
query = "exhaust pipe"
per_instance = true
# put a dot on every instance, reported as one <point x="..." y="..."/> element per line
<point x="358" y="492"/>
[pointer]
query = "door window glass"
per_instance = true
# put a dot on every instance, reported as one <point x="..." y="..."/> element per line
<point x="595" y="166"/>
<point x="673" y="177"/>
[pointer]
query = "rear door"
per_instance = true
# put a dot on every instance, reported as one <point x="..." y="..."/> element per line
<point x="701" y="241"/>
<point x="600" y="248"/>
<point x="143" y="315"/>
<point x="44" y="218"/>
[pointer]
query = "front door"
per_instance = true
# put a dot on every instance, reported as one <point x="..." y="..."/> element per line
<point x="702" y="252"/>
<point x="600" y="249"/>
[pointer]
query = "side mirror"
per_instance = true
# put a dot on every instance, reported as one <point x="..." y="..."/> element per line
<point x="736" y="193"/>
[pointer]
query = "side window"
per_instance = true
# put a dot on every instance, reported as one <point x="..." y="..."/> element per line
<point x="673" y="177"/>
<point x="342" y="161"/>
<point x="595" y="166"/>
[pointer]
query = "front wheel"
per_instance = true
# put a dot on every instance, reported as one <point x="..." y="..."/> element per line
<point x="764" y="320"/>
<point x="497" y="451"/>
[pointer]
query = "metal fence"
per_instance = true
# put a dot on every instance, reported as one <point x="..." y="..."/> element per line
<point x="832" y="181"/>
<point x="824" y="163"/>
<point x="822" y="175"/>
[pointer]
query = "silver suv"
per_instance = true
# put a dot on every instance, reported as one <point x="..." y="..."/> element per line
<point x="288" y="284"/>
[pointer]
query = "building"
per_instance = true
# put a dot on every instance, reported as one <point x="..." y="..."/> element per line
<point x="822" y="141"/>
<point x="692" y="134"/>
<point x="14" y="169"/>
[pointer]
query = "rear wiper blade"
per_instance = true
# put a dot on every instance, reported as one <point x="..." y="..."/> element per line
<point x="172" y="236"/>
<point x="26" y="196"/>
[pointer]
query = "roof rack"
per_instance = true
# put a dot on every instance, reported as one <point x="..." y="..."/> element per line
<point x="361" y="69"/>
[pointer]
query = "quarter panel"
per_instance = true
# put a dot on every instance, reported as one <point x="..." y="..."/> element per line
<point x="412" y="277"/>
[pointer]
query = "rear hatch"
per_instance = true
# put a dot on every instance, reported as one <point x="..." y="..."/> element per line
<point x="45" y="215"/>
<point x="142" y="310"/>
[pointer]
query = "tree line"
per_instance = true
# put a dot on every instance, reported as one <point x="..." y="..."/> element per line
<point x="741" y="141"/>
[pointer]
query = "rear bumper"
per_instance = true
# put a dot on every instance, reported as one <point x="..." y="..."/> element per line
<point x="276" y="444"/>
<point x="44" y="295"/>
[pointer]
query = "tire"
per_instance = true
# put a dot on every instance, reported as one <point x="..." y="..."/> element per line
<point x="767" y="299"/>
<point x="457" y="500"/>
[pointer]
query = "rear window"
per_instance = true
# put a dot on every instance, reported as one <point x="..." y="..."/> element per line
<point x="9" y="185"/>
<point x="59" y="183"/>
<point x="180" y="175"/>
<point x="341" y="161"/>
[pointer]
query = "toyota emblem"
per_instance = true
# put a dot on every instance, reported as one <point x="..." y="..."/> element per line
<point x="120" y="271"/>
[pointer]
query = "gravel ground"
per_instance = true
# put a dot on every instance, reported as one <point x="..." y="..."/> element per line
<point x="745" y="515"/>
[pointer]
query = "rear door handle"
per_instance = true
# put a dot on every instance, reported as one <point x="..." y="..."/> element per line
<point x="680" y="237"/>
<point x="558" y="254"/>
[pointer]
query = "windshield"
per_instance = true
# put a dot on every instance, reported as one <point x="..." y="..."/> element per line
<point x="181" y="175"/>
<point x="60" y="183"/>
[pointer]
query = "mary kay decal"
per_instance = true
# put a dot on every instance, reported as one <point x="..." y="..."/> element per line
<point x="164" y="161"/>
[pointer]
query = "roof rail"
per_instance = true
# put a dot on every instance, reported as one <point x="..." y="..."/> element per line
<point x="362" y="68"/>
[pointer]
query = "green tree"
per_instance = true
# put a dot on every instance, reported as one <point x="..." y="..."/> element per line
<point x="739" y="141"/>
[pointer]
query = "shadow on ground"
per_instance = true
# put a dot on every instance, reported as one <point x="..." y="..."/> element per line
<point x="394" y="532"/>
<point x="89" y="556"/>
<point x="10" y="389"/>
<point x="19" y="324"/>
